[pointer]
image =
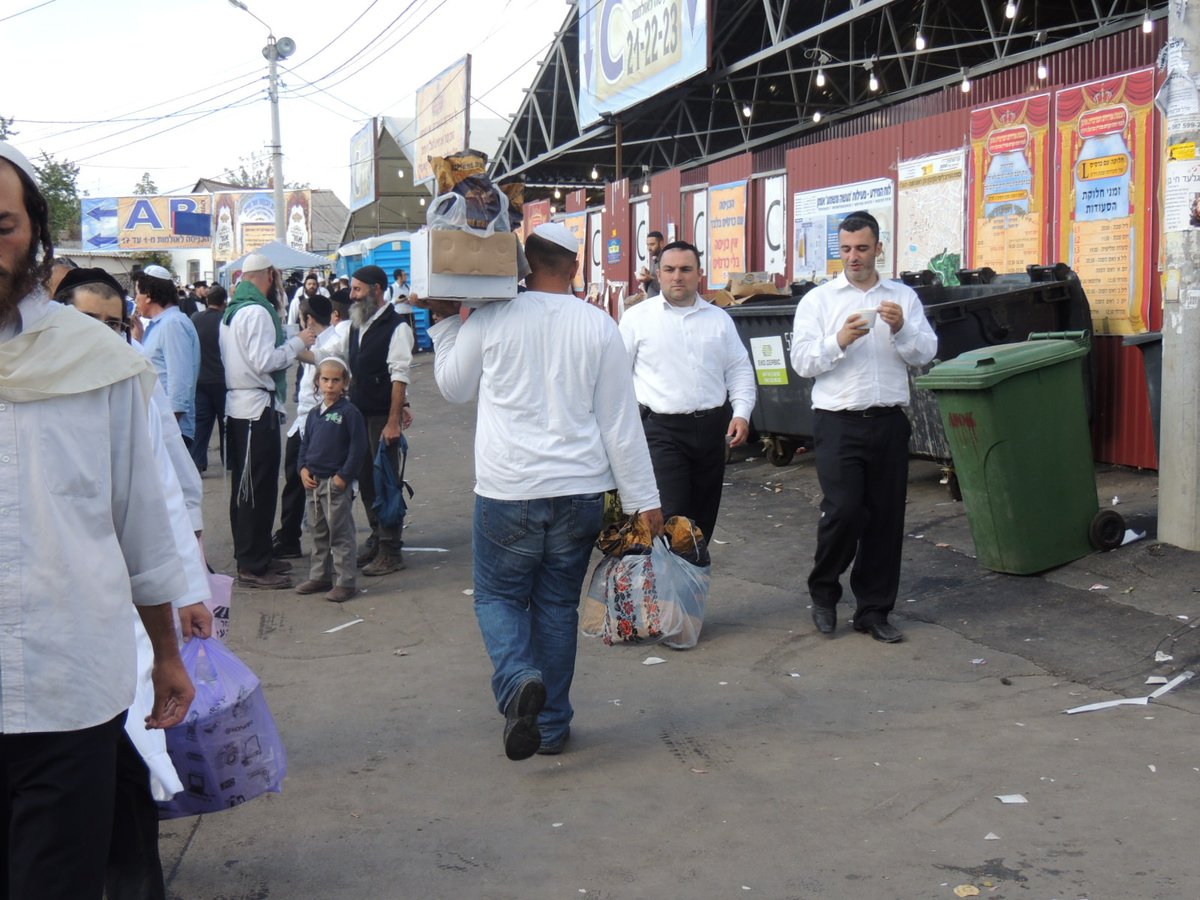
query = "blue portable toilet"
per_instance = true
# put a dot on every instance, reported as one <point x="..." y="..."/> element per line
<point x="390" y="252"/>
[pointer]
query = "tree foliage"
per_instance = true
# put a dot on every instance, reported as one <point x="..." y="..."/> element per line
<point x="58" y="180"/>
<point x="6" y="128"/>
<point x="255" y="172"/>
<point x="145" y="185"/>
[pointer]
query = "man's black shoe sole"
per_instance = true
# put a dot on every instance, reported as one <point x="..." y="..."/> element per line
<point x="521" y="735"/>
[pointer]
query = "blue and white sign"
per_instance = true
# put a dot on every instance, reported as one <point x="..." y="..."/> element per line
<point x="99" y="225"/>
<point x="631" y="50"/>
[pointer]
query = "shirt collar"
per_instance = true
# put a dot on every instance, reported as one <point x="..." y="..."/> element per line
<point x="841" y="283"/>
<point x="33" y="307"/>
<point x="695" y="307"/>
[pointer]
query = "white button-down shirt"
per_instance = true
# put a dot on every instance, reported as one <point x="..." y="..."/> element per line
<point x="82" y="520"/>
<point x="306" y="394"/>
<point x="251" y="358"/>
<point x="557" y="415"/>
<point x="687" y="359"/>
<point x="873" y="371"/>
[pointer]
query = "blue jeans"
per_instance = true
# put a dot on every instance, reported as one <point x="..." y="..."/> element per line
<point x="530" y="560"/>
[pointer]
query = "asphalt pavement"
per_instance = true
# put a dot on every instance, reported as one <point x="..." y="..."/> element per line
<point x="769" y="761"/>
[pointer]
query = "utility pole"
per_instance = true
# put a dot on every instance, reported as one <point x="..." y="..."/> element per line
<point x="271" y="51"/>
<point x="1179" y="453"/>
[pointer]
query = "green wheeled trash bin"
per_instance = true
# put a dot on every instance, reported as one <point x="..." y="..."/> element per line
<point x="1016" y="421"/>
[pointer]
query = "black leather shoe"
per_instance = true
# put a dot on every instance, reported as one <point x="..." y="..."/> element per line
<point x="521" y="736"/>
<point x="825" y="618"/>
<point x="881" y="631"/>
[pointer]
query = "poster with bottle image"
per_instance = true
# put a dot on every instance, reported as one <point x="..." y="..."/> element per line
<point x="1010" y="181"/>
<point x="1104" y="153"/>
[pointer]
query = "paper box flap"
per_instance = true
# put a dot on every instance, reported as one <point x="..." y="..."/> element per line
<point x="748" y="284"/>
<point x="462" y="253"/>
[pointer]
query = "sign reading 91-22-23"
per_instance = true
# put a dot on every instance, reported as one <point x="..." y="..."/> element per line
<point x="631" y="50"/>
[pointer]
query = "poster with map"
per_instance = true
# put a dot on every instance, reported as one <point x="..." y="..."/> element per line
<point x="929" y="215"/>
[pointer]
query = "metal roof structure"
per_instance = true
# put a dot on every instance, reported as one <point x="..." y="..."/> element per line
<point x="776" y="64"/>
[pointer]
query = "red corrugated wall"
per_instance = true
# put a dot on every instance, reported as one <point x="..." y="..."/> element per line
<point x="665" y="209"/>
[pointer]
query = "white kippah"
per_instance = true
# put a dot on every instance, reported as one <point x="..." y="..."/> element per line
<point x="17" y="158"/>
<point x="157" y="272"/>
<point x="557" y="233"/>
<point x="256" y="262"/>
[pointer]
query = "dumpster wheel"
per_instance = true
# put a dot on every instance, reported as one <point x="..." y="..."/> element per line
<point x="1107" y="530"/>
<point x="780" y="451"/>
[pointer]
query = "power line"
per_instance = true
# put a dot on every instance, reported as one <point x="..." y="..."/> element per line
<point x="338" y="36"/>
<point x="31" y="9"/>
<point x="295" y="93"/>
<point x="381" y="36"/>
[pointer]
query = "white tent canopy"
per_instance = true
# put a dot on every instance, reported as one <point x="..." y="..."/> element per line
<point x="281" y="256"/>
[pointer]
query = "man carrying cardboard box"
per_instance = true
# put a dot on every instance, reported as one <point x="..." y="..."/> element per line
<point x="555" y="392"/>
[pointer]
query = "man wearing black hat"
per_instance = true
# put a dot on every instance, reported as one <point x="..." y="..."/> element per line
<point x="315" y="313"/>
<point x="378" y="348"/>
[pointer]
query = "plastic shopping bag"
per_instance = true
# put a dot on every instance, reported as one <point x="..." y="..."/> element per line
<point x="647" y="598"/>
<point x="227" y="750"/>
<point x="221" y="588"/>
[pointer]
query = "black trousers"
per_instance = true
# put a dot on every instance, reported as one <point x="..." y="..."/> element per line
<point x="688" y="454"/>
<point x="56" y="811"/>
<point x="254" y="455"/>
<point x="210" y="412"/>
<point x="862" y="465"/>
<point x="292" y="501"/>
<point x="134" y="867"/>
<point x="366" y="481"/>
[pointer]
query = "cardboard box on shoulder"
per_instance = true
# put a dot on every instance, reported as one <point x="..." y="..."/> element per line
<point x="459" y="265"/>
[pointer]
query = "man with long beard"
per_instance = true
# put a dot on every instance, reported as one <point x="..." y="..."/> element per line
<point x="80" y="539"/>
<point x="379" y="350"/>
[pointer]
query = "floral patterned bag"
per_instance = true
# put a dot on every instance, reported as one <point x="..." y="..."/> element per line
<point x="646" y="598"/>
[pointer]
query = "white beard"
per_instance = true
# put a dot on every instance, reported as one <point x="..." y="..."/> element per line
<point x="361" y="312"/>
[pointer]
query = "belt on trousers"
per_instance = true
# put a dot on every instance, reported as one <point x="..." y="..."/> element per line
<point x="869" y="413"/>
<point x="698" y="414"/>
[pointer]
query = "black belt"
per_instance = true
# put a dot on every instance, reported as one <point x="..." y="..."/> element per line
<point x="869" y="413"/>
<point x="698" y="414"/>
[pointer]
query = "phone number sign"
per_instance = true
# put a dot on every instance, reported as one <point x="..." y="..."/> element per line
<point x="631" y="50"/>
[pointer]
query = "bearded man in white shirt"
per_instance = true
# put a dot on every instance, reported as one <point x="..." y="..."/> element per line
<point x="74" y="450"/>
<point x="856" y="336"/>
<point x="556" y="396"/>
<point x="687" y="361"/>
<point x="257" y="357"/>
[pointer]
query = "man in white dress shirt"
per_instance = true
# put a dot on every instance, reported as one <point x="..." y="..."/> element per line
<point x="856" y="336"/>
<point x="256" y="356"/>
<point x="74" y="453"/>
<point x="687" y="360"/>
<point x="557" y="426"/>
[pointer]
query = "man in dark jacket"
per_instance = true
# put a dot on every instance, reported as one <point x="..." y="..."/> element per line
<point x="379" y="350"/>
<point x="210" y="386"/>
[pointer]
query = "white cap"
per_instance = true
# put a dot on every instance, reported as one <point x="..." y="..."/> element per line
<point x="256" y="262"/>
<point x="157" y="272"/>
<point x="557" y="233"/>
<point x="17" y="158"/>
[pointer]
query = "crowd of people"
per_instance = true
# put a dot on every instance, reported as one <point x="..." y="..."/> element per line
<point x="95" y="396"/>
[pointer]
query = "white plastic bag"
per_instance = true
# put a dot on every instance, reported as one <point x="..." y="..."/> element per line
<point x="448" y="212"/>
<point x="647" y="599"/>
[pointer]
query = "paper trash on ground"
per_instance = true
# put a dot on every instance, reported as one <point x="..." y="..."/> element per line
<point x="344" y="625"/>
<point x="1159" y="656"/>
<point x="991" y="836"/>
<point x="652" y="660"/>
<point x="1136" y="701"/>
<point x="1011" y="798"/>
<point x="1157" y="679"/>
<point x="1131" y="536"/>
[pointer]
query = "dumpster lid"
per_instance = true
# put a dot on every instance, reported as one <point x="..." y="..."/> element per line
<point x="988" y="366"/>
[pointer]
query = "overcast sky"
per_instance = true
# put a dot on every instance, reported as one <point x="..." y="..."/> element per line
<point x="178" y="87"/>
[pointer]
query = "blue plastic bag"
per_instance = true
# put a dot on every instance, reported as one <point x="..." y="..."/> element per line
<point x="390" y="486"/>
<point x="227" y="750"/>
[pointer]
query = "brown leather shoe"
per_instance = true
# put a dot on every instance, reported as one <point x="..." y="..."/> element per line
<point x="279" y="566"/>
<point x="366" y="553"/>
<point x="313" y="587"/>
<point x="386" y="561"/>
<point x="268" y="581"/>
<point x="341" y="594"/>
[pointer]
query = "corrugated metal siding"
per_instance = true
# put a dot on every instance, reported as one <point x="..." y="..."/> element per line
<point x="576" y="201"/>
<point x="756" y="227"/>
<point x="693" y="177"/>
<point x="1122" y="431"/>
<point x="665" y="201"/>
<point x="736" y="168"/>
<point x="616" y="224"/>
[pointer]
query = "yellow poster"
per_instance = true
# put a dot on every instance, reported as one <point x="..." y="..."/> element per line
<point x="577" y="225"/>
<point x="726" y="232"/>
<point x="1010" y="179"/>
<point x="1105" y="134"/>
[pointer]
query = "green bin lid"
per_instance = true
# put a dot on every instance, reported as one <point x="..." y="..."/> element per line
<point x="986" y="367"/>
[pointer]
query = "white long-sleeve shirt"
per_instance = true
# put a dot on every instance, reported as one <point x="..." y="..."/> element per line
<point x="250" y="356"/>
<point x="873" y="371"/>
<point x="399" y="355"/>
<point x="306" y="396"/>
<point x="687" y="359"/>
<point x="557" y="414"/>
<point x="82" y="519"/>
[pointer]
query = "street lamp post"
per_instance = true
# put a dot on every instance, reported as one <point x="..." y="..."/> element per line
<point x="274" y="51"/>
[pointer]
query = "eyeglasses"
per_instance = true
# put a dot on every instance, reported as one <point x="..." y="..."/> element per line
<point x="117" y="325"/>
